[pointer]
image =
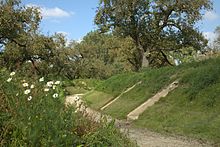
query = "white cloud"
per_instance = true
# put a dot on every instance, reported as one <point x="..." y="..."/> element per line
<point x="79" y="40"/>
<point x="63" y="33"/>
<point x="211" y="36"/>
<point x="55" y="12"/>
<point x="210" y="15"/>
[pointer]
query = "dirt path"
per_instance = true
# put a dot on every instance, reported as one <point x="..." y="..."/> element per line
<point x="115" y="99"/>
<point x="144" y="138"/>
<point x="133" y="115"/>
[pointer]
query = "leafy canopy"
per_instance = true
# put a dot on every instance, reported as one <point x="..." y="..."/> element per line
<point x="156" y="26"/>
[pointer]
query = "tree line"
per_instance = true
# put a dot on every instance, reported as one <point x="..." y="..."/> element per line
<point x="131" y="35"/>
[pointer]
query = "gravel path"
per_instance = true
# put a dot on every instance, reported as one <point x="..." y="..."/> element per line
<point x="143" y="137"/>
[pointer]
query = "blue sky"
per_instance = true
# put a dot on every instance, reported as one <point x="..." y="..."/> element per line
<point x="75" y="18"/>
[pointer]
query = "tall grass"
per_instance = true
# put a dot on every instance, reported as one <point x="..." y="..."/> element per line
<point x="193" y="108"/>
<point x="32" y="113"/>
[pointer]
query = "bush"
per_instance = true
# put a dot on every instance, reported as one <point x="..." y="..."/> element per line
<point x="32" y="113"/>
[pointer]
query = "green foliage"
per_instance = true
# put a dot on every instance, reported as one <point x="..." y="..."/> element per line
<point x="104" y="138"/>
<point x="100" y="56"/>
<point x="156" y="26"/>
<point x="192" y="109"/>
<point x="184" y="55"/>
<point x="32" y="115"/>
<point x="43" y="119"/>
<point x="16" y="21"/>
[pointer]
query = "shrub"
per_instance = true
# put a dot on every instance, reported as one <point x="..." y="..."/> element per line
<point x="33" y="113"/>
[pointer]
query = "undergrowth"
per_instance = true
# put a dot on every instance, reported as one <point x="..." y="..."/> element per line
<point x="33" y="113"/>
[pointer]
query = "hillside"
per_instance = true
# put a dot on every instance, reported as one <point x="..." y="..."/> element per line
<point x="190" y="110"/>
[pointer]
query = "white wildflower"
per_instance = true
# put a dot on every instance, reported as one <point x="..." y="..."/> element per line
<point x="54" y="86"/>
<point x="29" y="98"/>
<point x="46" y="89"/>
<point x="32" y="86"/>
<point x="17" y="94"/>
<point x="50" y="83"/>
<point x="41" y="79"/>
<point x="57" y="83"/>
<point x="55" y="95"/>
<point x="27" y="91"/>
<point x="25" y="84"/>
<point x="12" y="73"/>
<point x="9" y="79"/>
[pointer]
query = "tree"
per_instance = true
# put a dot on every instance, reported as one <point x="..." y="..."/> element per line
<point x="23" y="46"/>
<point x="156" y="26"/>
<point x="18" y="27"/>
<point x="100" y="55"/>
<point x="17" y="21"/>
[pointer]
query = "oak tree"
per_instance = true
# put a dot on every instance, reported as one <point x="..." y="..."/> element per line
<point x="156" y="26"/>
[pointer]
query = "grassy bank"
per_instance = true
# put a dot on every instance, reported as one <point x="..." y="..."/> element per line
<point x="32" y="113"/>
<point x="191" y="110"/>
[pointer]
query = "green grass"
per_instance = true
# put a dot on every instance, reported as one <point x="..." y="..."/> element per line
<point x="75" y="90"/>
<point x="118" y="83"/>
<point x="44" y="120"/>
<point x="152" y="81"/>
<point x="193" y="109"/>
<point x="176" y="114"/>
<point x="97" y="99"/>
<point x="79" y="86"/>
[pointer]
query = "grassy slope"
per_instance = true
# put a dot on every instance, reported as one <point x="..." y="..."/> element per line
<point x="97" y="99"/>
<point x="191" y="110"/>
<point x="152" y="81"/>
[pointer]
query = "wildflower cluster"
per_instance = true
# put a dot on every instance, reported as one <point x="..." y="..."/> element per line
<point x="51" y="85"/>
<point x="27" y="90"/>
<point x="11" y="75"/>
<point x="29" y="87"/>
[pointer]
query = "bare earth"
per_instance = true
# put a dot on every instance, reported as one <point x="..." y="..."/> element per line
<point x="143" y="137"/>
<point x="133" y="115"/>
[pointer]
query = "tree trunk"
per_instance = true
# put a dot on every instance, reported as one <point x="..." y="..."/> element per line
<point x="145" y="62"/>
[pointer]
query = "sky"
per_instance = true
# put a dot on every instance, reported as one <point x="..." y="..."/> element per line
<point x="75" y="18"/>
